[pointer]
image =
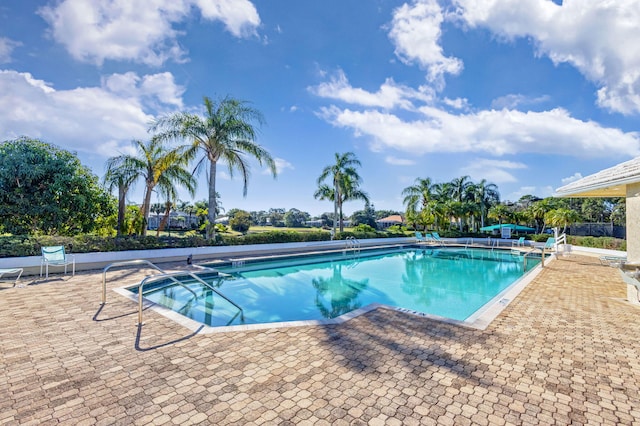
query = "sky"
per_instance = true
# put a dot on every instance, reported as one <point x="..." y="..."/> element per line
<point x="527" y="94"/>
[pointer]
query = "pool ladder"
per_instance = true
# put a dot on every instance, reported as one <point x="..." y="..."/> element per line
<point x="351" y="243"/>
<point x="162" y="275"/>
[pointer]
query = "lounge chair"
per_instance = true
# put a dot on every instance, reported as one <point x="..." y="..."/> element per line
<point x="420" y="238"/>
<point x="18" y="271"/>
<point x="518" y="243"/>
<point x="56" y="256"/>
<point x="436" y="238"/>
<point x="549" y="244"/>
<point x="613" y="260"/>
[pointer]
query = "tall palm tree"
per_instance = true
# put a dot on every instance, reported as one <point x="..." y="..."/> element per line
<point x="157" y="166"/>
<point x="485" y="195"/>
<point x="346" y="184"/>
<point x="117" y="175"/>
<point x="226" y="132"/>
<point x="460" y="187"/>
<point x="417" y="199"/>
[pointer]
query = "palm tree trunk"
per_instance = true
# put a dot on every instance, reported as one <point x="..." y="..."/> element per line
<point x="122" y="195"/>
<point x="335" y="207"/>
<point x="211" y="230"/>
<point x="146" y="207"/>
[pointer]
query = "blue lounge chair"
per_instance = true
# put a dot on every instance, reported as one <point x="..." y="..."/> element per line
<point x="420" y="238"/>
<point x="436" y="238"/>
<point x="56" y="256"/>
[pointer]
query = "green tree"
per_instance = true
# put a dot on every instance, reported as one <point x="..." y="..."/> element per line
<point x="561" y="217"/>
<point x="117" y="176"/>
<point x="485" y="195"/>
<point x="227" y="132"/>
<point x="417" y="198"/>
<point x="157" y="166"/>
<point x="295" y="218"/>
<point x="345" y="182"/>
<point x="44" y="189"/>
<point x="241" y="221"/>
<point x="365" y="217"/>
<point x="500" y="212"/>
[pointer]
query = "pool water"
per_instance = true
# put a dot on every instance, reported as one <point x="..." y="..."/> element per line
<point x="451" y="283"/>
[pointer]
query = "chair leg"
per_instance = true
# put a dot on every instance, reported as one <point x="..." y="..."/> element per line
<point x="73" y="269"/>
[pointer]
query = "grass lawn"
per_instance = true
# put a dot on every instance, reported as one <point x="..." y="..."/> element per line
<point x="256" y="229"/>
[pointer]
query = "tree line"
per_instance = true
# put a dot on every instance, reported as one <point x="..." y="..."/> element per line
<point x="45" y="190"/>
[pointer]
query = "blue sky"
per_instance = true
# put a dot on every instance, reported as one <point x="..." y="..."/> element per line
<point x="528" y="94"/>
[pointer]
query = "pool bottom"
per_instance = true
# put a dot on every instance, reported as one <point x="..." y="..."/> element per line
<point x="479" y="320"/>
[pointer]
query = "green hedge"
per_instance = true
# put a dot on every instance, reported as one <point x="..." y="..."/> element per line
<point x="17" y="246"/>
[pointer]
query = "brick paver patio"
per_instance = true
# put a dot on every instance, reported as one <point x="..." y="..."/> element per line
<point x="565" y="351"/>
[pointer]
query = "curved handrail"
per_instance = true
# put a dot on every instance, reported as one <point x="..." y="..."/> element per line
<point x="172" y="275"/>
<point x="124" y="263"/>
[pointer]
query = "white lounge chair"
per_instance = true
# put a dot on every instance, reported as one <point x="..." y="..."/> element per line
<point x="56" y="256"/>
<point x="18" y="271"/>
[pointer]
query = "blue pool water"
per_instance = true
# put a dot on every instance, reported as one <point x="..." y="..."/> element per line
<point x="448" y="282"/>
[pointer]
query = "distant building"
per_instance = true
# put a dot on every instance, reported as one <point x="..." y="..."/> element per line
<point x="385" y="222"/>
<point x="177" y="220"/>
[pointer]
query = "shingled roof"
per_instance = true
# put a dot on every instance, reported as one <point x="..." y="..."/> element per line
<point x="610" y="182"/>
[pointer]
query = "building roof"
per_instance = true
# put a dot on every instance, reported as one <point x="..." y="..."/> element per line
<point x="610" y="182"/>
<point x="393" y="218"/>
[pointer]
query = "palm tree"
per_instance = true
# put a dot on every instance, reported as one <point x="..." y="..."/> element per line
<point x="117" y="175"/>
<point x="417" y="198"/>
<point x="484" y="195"/>
<point x="460" y="187"/>
<point x="500" y="212"/>
<point x="346" y="184"/>
<point x="561" y="217"/>
<point x="157" y="166"/>
<point x="226" y="132"/>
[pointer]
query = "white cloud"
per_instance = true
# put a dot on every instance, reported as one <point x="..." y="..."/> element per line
<point x="6" y="49"/>
<point x="96" y="30"/>
<point x="101" y="120"/>
<point x="239" y="16"/>
<point x="415" y="31"/>
<point x="458" y="103"/>
<point x="572" y="178"/>
<point x="281" y="165"/>
<point x="596" y="37"/>
<point x="390" y="95"/>
<point x="494" y="171"/>
<point x="394" y="161"/>
<point x="160" y="89"/>
<point x="493" y="132"/>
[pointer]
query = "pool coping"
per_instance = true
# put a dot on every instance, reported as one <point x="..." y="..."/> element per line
<point x="479" y="320"/>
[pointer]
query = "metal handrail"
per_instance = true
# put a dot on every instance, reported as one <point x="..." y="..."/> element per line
<point x="172" y="275"/>
<point x="124" y="263"/>
<point x="352" y="243"/>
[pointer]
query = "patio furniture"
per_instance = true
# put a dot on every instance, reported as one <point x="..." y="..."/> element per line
<point x="18" y="271"/>
<point x="518" y="243"/>
<point x="56" y="256"/>
<point x="615" y="261"/>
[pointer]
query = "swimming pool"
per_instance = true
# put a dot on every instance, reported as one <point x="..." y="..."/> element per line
<point x="452" y="283"/>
